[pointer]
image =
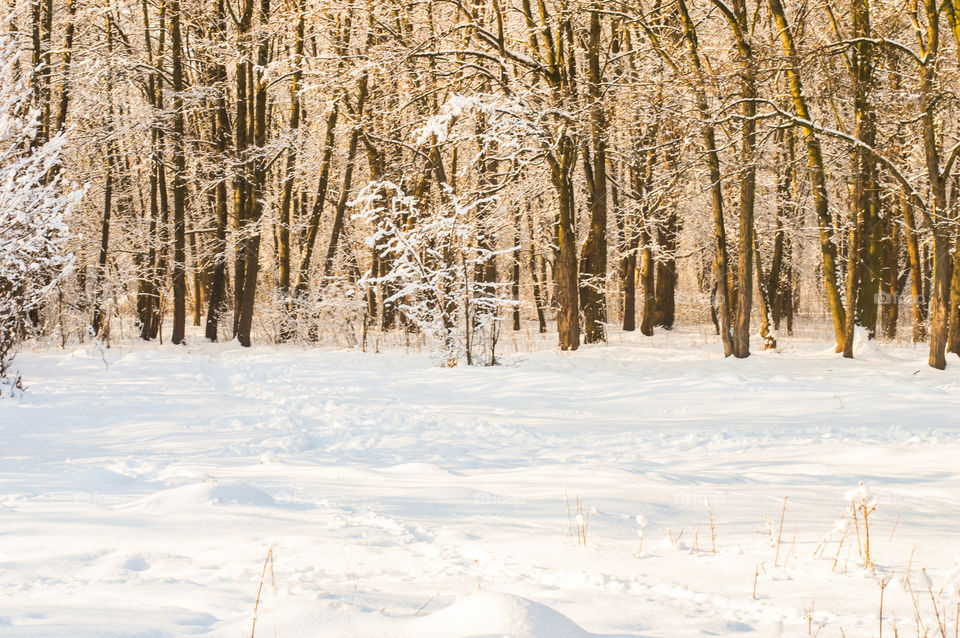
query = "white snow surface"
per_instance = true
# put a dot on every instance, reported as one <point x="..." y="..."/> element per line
<point x="142" y="488"/>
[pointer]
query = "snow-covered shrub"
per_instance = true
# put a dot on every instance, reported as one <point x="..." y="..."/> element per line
<point x="440" y="247"/>
<point x="333" y="314"/>
<point x="34" y="204"/>
<point x="433" y="260"/>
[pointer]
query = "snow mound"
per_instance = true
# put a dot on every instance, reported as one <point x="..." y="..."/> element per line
<point x="96" y="479"/>
<point x="205" y="494"/>
<point x="484" y="614"/>
<point x="478" y="615"/>
<point x="864" y="346"/>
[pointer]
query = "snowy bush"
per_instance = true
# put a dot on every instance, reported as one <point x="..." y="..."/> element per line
<point x="34" y="203"/>
<point x="433" y="260"/>
<point x="439" y="247"/>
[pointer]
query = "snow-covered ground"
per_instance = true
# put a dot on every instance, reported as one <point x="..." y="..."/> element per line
<point x="141" y="492"/>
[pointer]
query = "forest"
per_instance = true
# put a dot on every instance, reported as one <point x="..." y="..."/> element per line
<point x="301" y="170"/>
<point x="463" y="318"/>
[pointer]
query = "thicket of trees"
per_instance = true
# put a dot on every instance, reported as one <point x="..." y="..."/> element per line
<point x="35" y="201"/>
<point x="282" y="168"/>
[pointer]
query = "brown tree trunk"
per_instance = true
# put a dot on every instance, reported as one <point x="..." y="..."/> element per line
<point x="647" y="278"/>
<point x="890" y="275"/>
<point x="220" y="125"/>
<point x="340" y="214"/>
<point x="341" y="211"/>
<point x="554" y="46"/>
<point x="628" y="266"/>
<point x="916" y="271"/>
<point x="953" y="328"/>
<point x="940" y="301"/>
<point x="565" y="267"/>
<point x="628" y="277"/>
<point x="154" y="266"/>
<point x="853" y="274"/>
<point x="538" y="283"/>
<point x="179" y="183"/>
<point x="665" y="306"/>
<point x="716" y="188"/>
<point x="98" y="306"/>
<point x="251" y="242"/>
<point x="593" y="256"/>
<point x="816" y="169"/>
<point x="515" y="268"/>
<point x="283" y="239"/>
<point x="98" y="309"/>
<point x="65" y="70"/>
<point x="769" y="340"/>
<point x="313" y="225"/>
<point x="738" y="20"/>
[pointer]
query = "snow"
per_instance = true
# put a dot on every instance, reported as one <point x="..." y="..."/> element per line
<point x="142" y="487"/>
<point x="478" y="614"/>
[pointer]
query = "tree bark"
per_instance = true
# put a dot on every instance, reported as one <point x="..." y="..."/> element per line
<point x="565" y="266"/>
<point x="179" y="184"/>
<point x="916" y="271"/>
<point x="251" y="240"/>
<point x="716" y="188"/>
<point x="538" y="295"/>
<point x="890" y="276"/>
<point x="593" y="256"/>
<point x="283" y="240"/>
<point x="220" y="125"/>
<point x="817" y="174"/>
<point x="738" y="20"/>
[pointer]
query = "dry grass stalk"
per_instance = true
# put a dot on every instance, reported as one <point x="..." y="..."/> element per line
<point x="836" y="558"/>
<point x="263" y="574"/>
<point x="713" y="528"/>
<point x="883" y="586"/>
<point x="896" y="522"/>
<point x="582" y="520"/>
<point x="856" y="523"/>
<point x="906" y="579"/>
<point x="783" y="514"/>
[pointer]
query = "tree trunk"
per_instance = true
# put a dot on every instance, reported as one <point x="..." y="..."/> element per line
<point x="647" y="278"/>
<point x="251" y="242"/>
<point x="890" y="276"/>
<point x="515" y="268"/>
<point x="853" y="272"/>
<point x="628" y="265"/>
<point x="817" y="175"/>
<point x="953" y="329"/>
<point x="340" y="215"/>
<point x="65" y="70"/>
<point x="665" y="306"/>
<point x="283" y="240"/>
<point x="220" y="125"/>
<point x="313" y="225"/>
<point x="538" y="284"/>
<point x="769" y="340"/>
<point x="179" y="184"/>
<point x="565" y="267"/>
<point x="738" y="20"/>
<point x="593" y="256"/>
<point x="716" y="188"/>
<point x="916" y="271"/>
<point x="98" y="307"/>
